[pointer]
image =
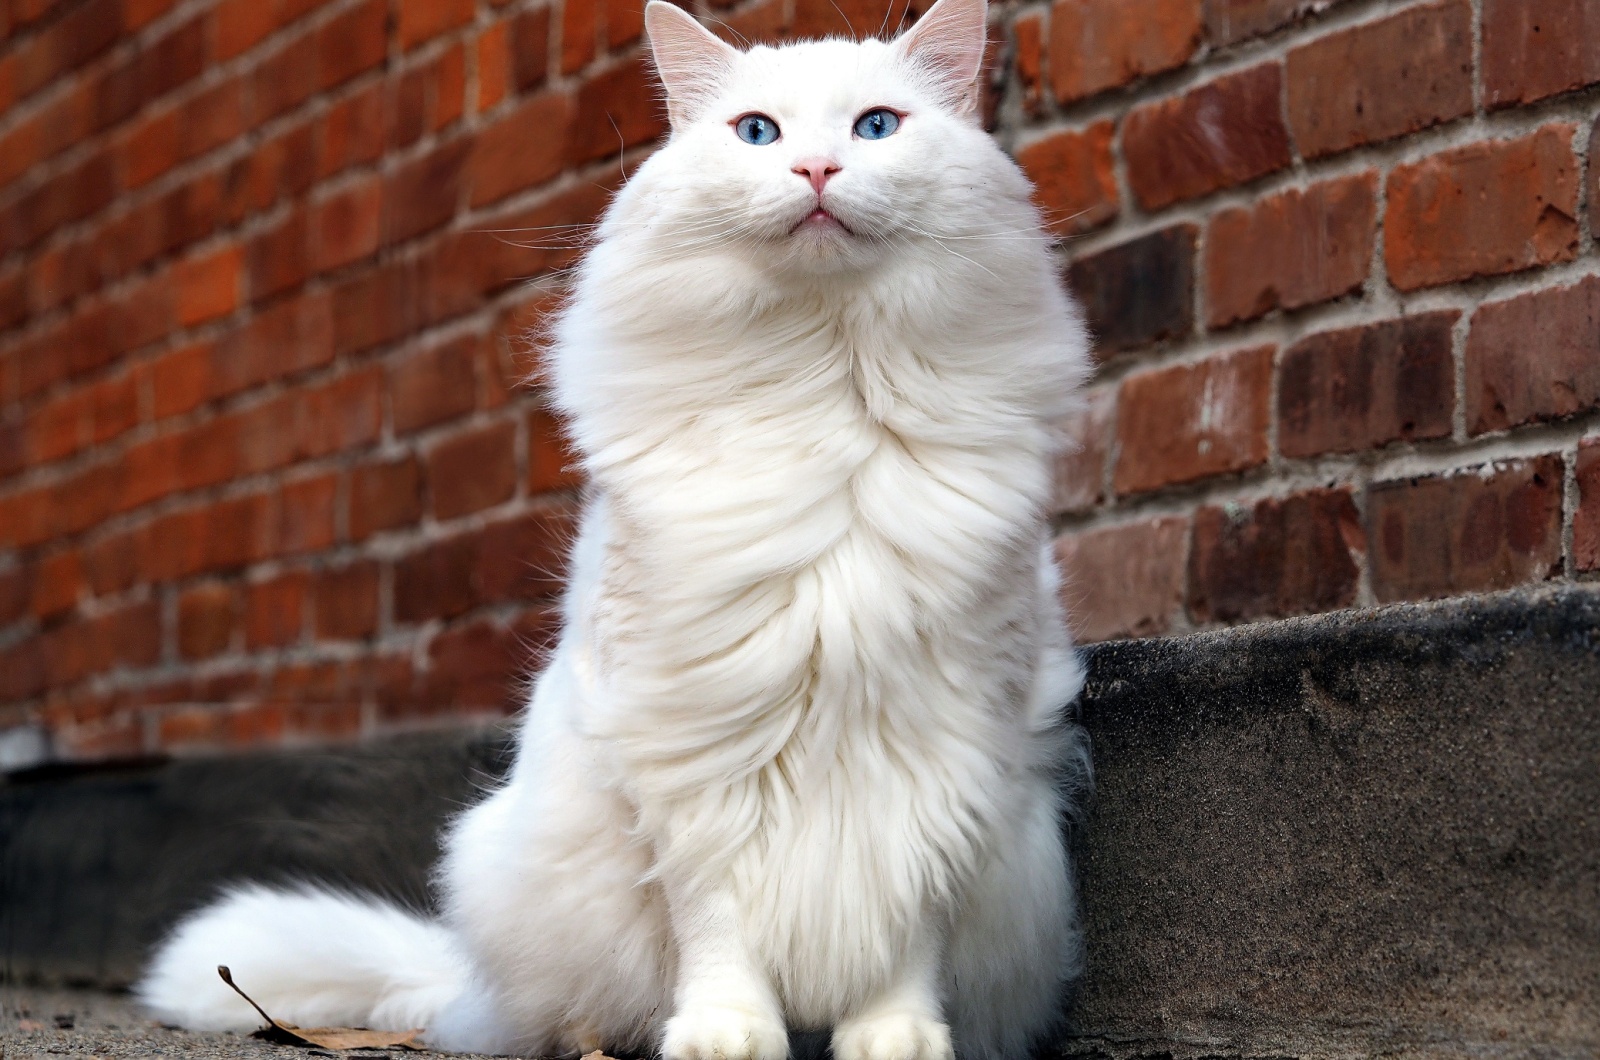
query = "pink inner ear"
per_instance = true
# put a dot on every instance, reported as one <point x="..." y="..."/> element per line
<point x="949" y="42"/>
<point x="690" y="59"/>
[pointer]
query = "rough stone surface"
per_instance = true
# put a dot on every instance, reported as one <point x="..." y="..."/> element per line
<point x="1139" y="292"/>
<point x="1367" y="833"/>
<point x="1382" y="79"/>
<point x="1534" y="357"/>
<point x="1484" y="528"/>
<point x="1361" y="388"/>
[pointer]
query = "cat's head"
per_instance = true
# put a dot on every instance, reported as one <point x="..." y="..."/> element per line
<point x="826" y="154"/>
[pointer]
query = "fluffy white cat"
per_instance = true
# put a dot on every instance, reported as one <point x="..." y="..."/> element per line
<point x="799" y="759"/>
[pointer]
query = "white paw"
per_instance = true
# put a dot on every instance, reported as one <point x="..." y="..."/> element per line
<point x="892" y="1036"/>
<point x="715" y="1032"/>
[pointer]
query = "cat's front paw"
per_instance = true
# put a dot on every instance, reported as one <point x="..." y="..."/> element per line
<point x="715" y="1032"/>
<point x="892" y="1036"/>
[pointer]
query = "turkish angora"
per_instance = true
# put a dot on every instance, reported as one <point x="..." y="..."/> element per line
<point x="799" y="758"/>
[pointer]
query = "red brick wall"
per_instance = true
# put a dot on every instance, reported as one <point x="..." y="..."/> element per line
<point x="267" y="474"/>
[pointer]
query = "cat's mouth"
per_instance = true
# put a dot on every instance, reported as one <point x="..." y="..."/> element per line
<point x="820" y="220"/>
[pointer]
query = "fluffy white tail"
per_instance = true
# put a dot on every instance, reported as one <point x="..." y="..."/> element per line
<point x="311" y="958"/>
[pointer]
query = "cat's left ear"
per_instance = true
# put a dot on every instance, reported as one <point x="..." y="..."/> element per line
<point x="691" y="61"/>
<point x="948" y="43"/>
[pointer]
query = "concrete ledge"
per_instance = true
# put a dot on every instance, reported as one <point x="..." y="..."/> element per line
<point x="1372" y="832"/>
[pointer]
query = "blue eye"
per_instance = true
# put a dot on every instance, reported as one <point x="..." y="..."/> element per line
<point x="877" y="124"/>
<point x="756" y="129"/>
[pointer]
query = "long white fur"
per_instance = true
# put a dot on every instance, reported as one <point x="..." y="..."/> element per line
<point x="798" y="758"/>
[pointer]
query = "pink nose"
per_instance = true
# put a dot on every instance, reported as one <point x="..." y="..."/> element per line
<point x="816" y="170"/>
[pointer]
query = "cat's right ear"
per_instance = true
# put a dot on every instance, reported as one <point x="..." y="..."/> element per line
<point x="691" y="61"/>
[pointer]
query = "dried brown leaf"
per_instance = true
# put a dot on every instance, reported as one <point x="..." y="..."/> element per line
<point x="323" y="1037"/>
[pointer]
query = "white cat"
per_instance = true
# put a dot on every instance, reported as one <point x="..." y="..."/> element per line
<point x="798" y="760"/>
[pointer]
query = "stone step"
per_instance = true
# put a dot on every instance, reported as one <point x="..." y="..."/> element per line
<point x="1366" y="833"/>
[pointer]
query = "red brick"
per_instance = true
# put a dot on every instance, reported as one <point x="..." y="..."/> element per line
<point x="1533" y="358"/>
<point x="1072" y="176"/>
<point x="16" y="593"/>
<point x="208" y="285"/>
<point x="1139" y="292"/>
<point x="113" y="407"/>
<point x="1382" y="80"/>
<point x="473" y="470"/>
<point x="552" y="465"/>
<point x="1594" y="179"/>
<point x="1190" y="421"/>
<point x="1081" y="468"/>
<point x="1482" y="210"/>
<point x="345" y="602"/>
<point x="241" y="25"/>
<point x="352" y="131"/>
<point x="58" y="583"/>
<point x="207" y="615"/>
<point x="1101" y="44"/>
<point x="617" y="109"/>
<point x="374" y="307"/>
<point x="763" y="22"/>
<point x="292" y="336"/>
<point x="348" y="225"/>
<point x="1478" y="530"/>
<point x="494" y="64"/>
<point x="83" y="32"/>
<point x="476" y="666"/>
<point x="1123" y="581"/>
<point x="274" y="611"/>
<point x="1231" y="21"/>
<point x="437" y="580"/>
<point x="1586" y="524"/>
<point x="1281" y="556"/>
<point x="307" y="513"/>
<point x="148" y="151"/>
<point x="422" y="20"/>
<point x="1365" y="387"/>
<point x="285" y="79"/>
<point x="1538" y="48"/>
<point x="1226" y="132"/>
<point x="352" y="42"/>
<point x="624" y="23"/>
<point x="213" y="118"/>
<point x="434" y="385"/>
<point x="524" y="148"/>
<point x="384" y="496"/>
<point x="447" y="90"/>
<point x="1290" y="250"/>
<point x="423" y="194"/>
<point x="523" y="558"/>
<point x="280" y="256"/>
<point x="579" y="28"/>
<point x="346" y="413"/>
<point x="530" y="48"/>
<point x="1027" y="42"/>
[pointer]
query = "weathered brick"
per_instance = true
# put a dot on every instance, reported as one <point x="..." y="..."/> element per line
<point x="240" y="25"/>
<point x="1483" y="209"/>
<point x="1027" y="44"/>
<point x="475" y="667"/>
<point x="1534" y="357"/>
<point x="435" y="385"/>
<point x="280" y="256"/>
<point x="1364" y="387"/>
<point x="1193" y="420"/>
<point x="1594" y="180"/>
<point x="473" y="470"/>
<point x="274" y="611"/>
<point x="530" y="48"/>
<point x="285" y="79"/>
<point x="374" y="307"/>
<point x="351" y="133"/>
<point x="1140" y="292"/>
<point x="1538" y="48"/>
<point x="1225" y="132"/>
<point x="307" y="514"/>
<point x="208" y="285"/>
<point x="1123" y="581"/>
<point x="212" y="118"/>
<point x="494" y="65"/>
<point x="292" y="336"/>
<point x="1280" y="556"/>
<point x="1586" y="523"/>
<point x="1081" y="468"/>
<point x="206" y="617"/>
<point x="58" y="583"/>
<point x="345" y="602"/>
<point x="384" y="495"/>
<point x="1382" y="80"/>
<point x="1291" y="250"/>
<point x="437" y="580"/>
<point x="580" y="25"/>
<point x="1231" y="21"/>
<point x="1484" y="528"/>
<point x="1101" y="44"/>
<point x="1072" y="176"/>
<point x="16" y="592"/>
<point x="524" y="148"/>
<point x="423" y="194"/>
